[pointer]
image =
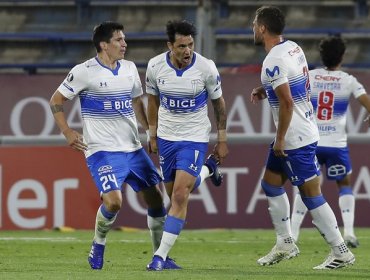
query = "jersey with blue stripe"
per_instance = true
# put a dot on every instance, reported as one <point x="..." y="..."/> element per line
<point x="183" y="94"/>
<point x="109" y="122"/>
<point x="331" y="92"/>
<point x="286" y="63"/>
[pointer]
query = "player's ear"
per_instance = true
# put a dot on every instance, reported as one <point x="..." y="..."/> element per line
<point x="103" y="45"/>
<point x="170" y="46"/>
<point x="262" y="28"/>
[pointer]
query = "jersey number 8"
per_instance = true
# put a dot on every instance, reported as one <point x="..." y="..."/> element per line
<point x="325" y="105"/>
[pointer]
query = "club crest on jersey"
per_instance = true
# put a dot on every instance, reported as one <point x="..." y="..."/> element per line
<point x="271" y="73"/>
<point x="103" y="84"/>
<point x="70" y="77"/>
<point x="160" y="81"/>
<point x="197" y="86"/>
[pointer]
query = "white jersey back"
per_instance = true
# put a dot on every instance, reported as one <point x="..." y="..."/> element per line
<point x="331" y="91"/>
<point x="286" y="63"/>
<point x="109" y="122"/>
<point x="183" y="94"/>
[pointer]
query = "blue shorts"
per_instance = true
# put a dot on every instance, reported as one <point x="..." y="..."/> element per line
<point x="180" y="155"/>
<point x="111" y="169"/>
<point x="336" y="161"/>
<point x="299" y="166"/>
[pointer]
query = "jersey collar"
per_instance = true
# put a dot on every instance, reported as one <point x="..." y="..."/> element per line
<point x="114" y="71"/>
<point x="179" y="72"/>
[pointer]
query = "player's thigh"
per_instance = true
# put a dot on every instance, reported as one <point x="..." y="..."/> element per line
<point x="108" y="170"/>
<point x="143" y="173"/>
<point x="182" y="186"/>
<point x="190" y="157"/>
<point x="301" y="165"/>
<point x="311" y="187"/>
<point x="274" y="178"/>
<point x="167" y="159"/>
<point x="180" y="155"/>
<point x="274" y="171"/>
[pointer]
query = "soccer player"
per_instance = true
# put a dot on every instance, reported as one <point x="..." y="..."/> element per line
<point x="284" y="78"/>
<point x="331" y="90"/>
<point x="110" y="90"/>
<point x="179" y="83"/>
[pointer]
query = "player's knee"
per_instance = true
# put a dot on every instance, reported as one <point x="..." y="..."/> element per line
<point x="113" y="205"/>
<point x="313" y="202"/>
<point x="180" y="196"/>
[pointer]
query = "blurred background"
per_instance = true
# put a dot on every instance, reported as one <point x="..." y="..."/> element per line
<point x="45" y="184"/>
<point x="55" y="35"/>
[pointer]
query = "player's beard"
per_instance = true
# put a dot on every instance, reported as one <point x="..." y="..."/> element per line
<point x="258" y="41"/>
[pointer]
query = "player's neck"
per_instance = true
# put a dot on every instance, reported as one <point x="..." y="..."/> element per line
<point x="106" y="61"/>
<point x="335" y="68"/>
<point x="272" y="41"/>
<point x="176" y="63"/>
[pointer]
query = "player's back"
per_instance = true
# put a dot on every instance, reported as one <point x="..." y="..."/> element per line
<point x="330" y="94"/>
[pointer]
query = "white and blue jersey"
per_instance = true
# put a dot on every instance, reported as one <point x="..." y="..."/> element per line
<point x="331" y="92"/>
<point x="286" y="63"/>
<point x="114" y="152"/>
<point x="183" y="94"/>
<point x="109" y="122"/>
<point x="330" y="95"/>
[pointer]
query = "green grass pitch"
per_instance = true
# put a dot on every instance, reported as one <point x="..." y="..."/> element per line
<point x="203" y="254"/>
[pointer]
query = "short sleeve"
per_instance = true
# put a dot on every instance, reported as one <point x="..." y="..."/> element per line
<point x="150" y="80"/>
<point x="137" y="89"/>
<point x="75" y="82"/>
<point x="357" y="88"/>
<point x="213" y="81"/>
<point x="275" y="71"/>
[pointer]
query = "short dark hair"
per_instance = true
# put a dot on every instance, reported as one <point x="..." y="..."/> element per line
<point x="182" y="27"/>
<point x="271" y="17"/>
<point x="104" y="32"/>
<point x="332" y="49"/>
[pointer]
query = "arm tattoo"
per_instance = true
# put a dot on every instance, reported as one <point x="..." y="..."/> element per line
<point x="220" y="112"/>
<point x="56" y="108"/>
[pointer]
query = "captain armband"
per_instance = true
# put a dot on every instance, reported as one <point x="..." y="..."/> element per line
<point x="221" y="135"/>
